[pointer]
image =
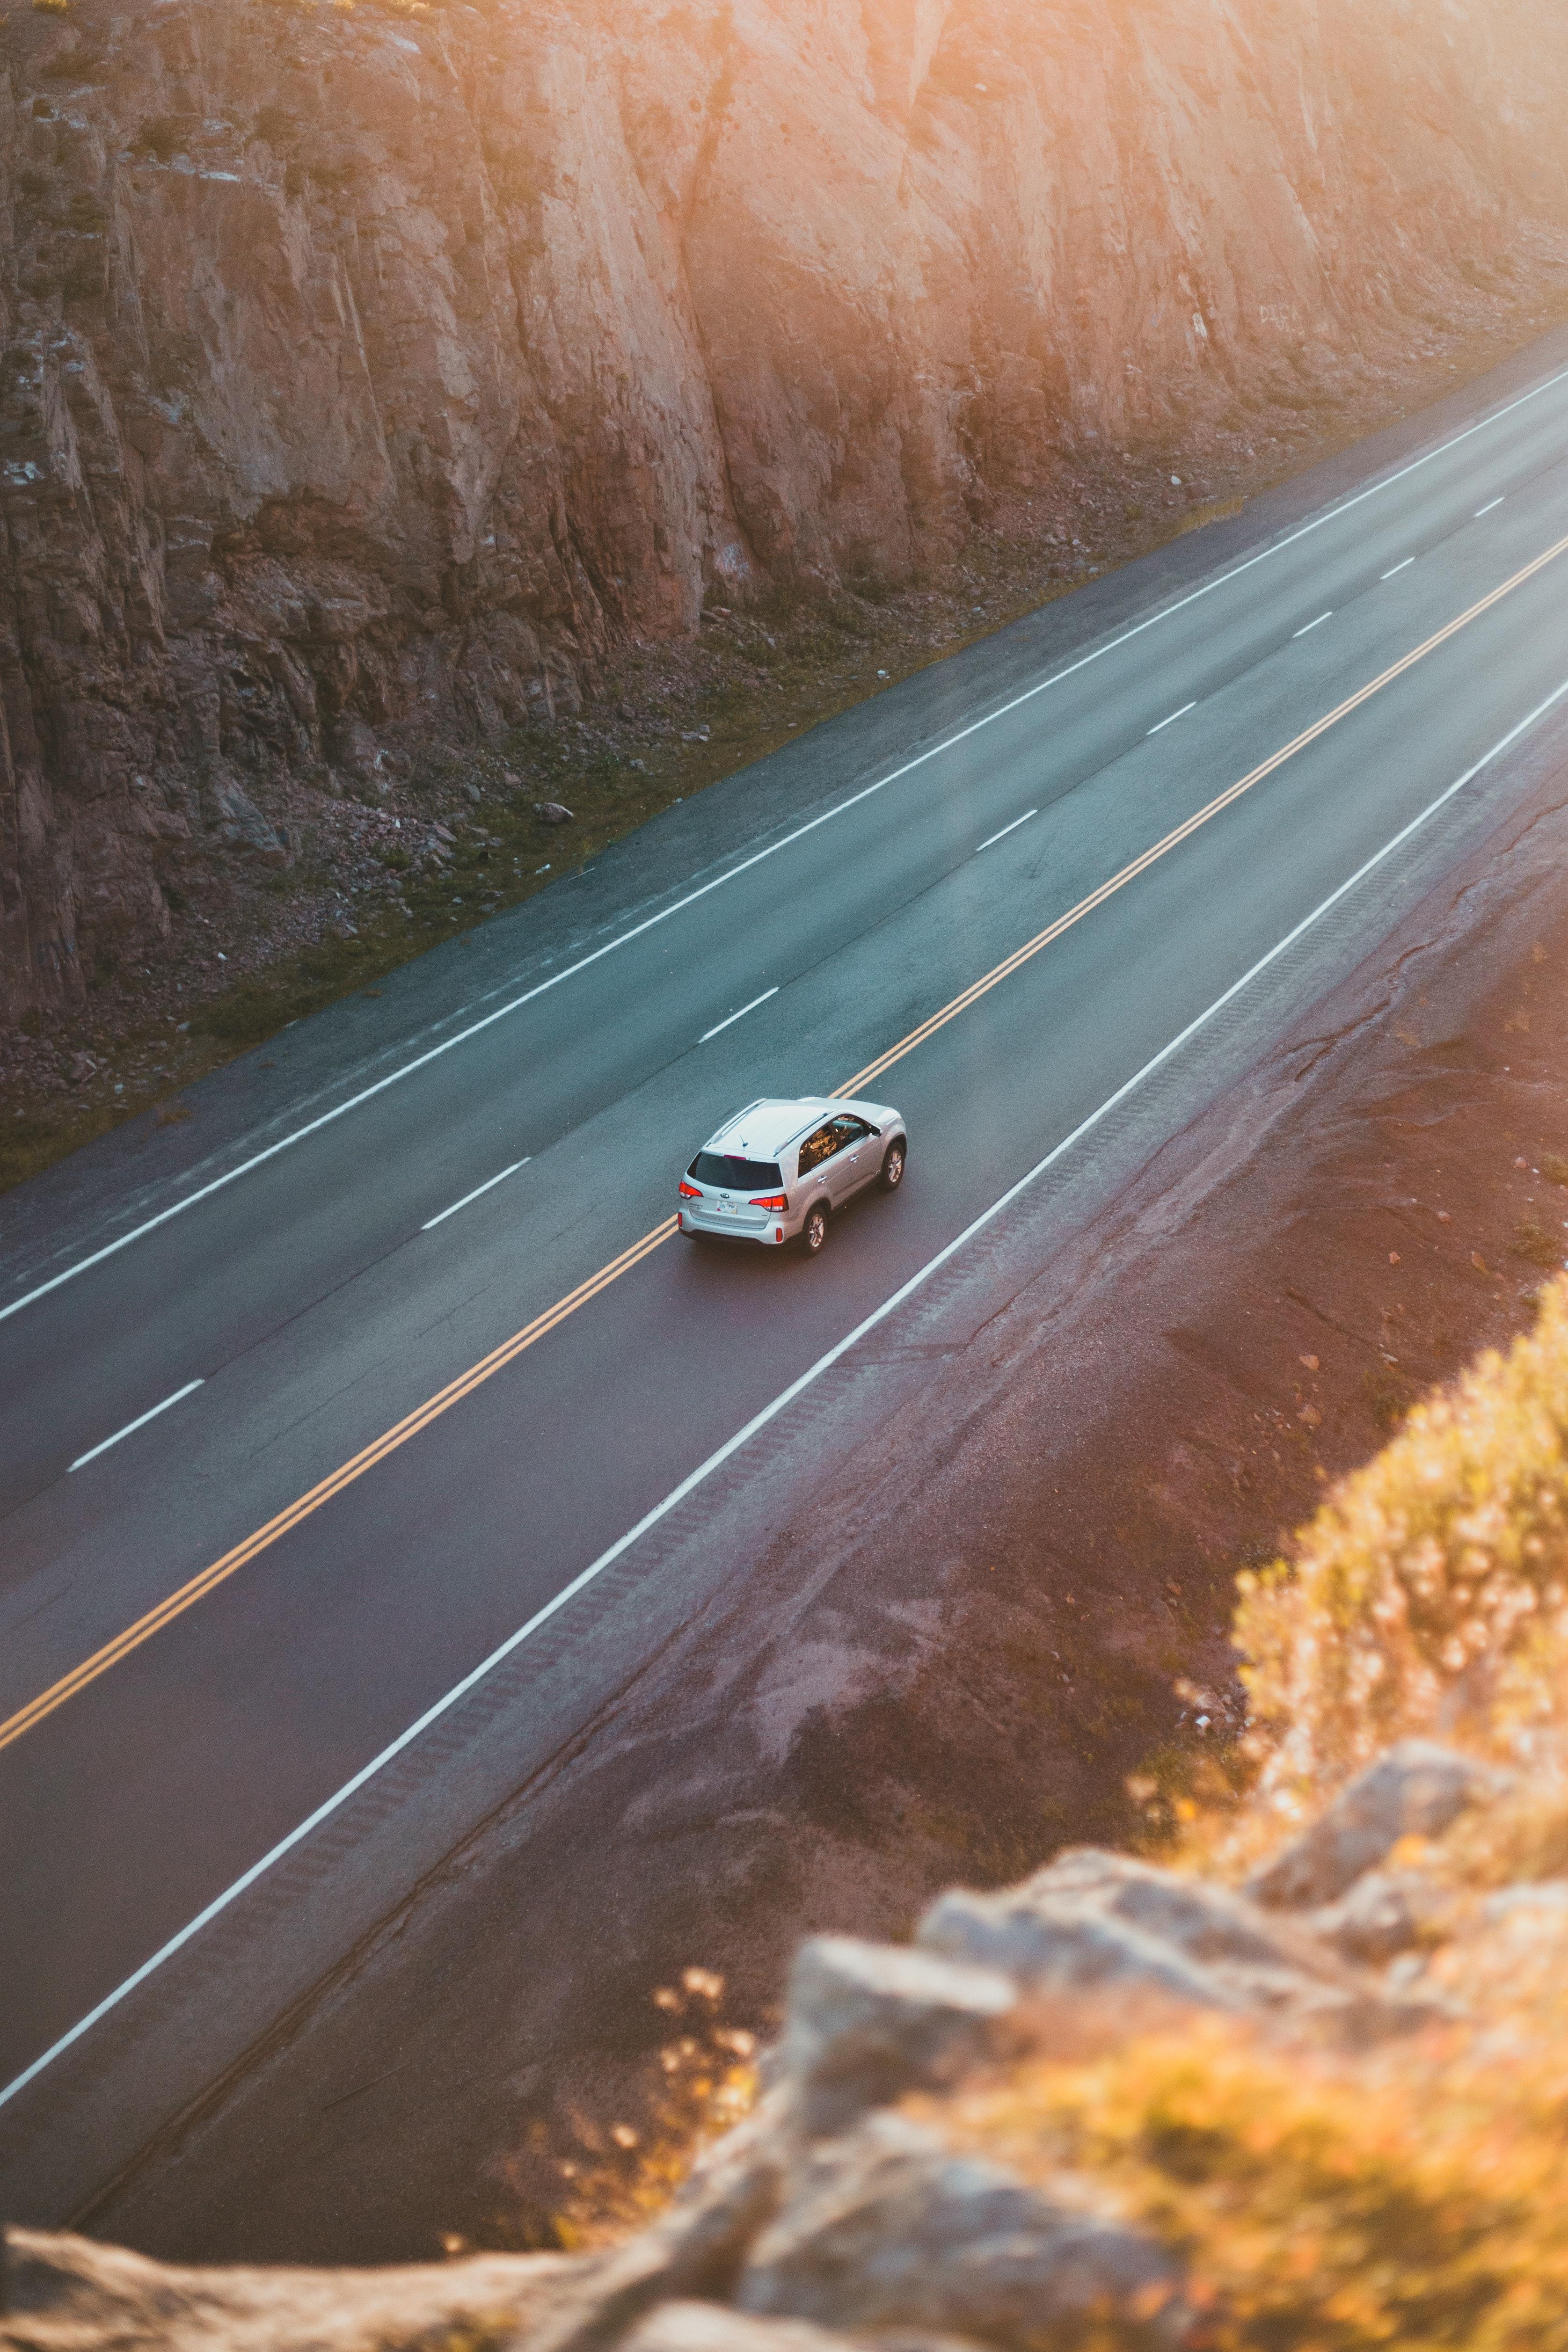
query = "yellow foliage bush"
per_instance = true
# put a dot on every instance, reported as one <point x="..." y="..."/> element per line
<point x="1316" y="2207"/>
<point x="1430" y="1593"/>
<point x="706" y="2083"/>
<point x="1413" y="2195"/>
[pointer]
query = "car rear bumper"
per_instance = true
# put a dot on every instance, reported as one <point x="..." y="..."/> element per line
<point x="771" y="1234"/>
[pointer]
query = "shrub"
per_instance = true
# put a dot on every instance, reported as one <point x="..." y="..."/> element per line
<point x="1429" y="1593"/>
<point x="703" y="2080"/>
<point x="840" y="614"/>
<point x="1310" y="2216"/>
<point x="812" y="644"/>
<point x="1516" y="1842"/>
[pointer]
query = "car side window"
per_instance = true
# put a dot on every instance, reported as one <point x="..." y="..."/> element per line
<point x="817" y="1147"/>
<point x="847" y="1131"/>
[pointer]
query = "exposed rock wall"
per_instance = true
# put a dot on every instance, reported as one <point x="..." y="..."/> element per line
<point x="368" y="371"/>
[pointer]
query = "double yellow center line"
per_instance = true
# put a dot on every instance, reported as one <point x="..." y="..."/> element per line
<point x="177" y="1602"/>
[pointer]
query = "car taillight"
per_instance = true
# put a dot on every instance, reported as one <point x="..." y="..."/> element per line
<point x="691" y="1192"/>
<point x="771" y="1201"/>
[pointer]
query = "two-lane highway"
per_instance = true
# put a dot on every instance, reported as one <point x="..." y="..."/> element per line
<point x="388" y="1394"/>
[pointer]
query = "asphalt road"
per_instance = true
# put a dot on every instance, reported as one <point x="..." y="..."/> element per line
<point x="317" y="1306"/>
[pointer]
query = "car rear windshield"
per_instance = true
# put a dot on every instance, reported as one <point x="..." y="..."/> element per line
<point x="733" y="1175"/>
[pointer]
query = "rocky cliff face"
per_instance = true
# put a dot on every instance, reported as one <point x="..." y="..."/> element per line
<point x="370" y="370"/>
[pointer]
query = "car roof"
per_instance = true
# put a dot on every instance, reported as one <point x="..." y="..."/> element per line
<point x="762" y="1130"/>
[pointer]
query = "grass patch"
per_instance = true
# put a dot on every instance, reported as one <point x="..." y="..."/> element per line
<point x="1309" y="2215"/>
<point x="254" y="1009"/>
<point x="29" y="1145"/>
<point x="1210" y="510"/>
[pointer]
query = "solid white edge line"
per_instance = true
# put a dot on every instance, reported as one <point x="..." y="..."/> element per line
<point x="1313" y="624"/>
<point x="1486" y="510"/>
<point x="1399" y="567"/>
<point x="1174" y="716"/>
<point x="737" y="1016"/>
<point x="992" y="839"/>
<point x="760" y="1421"/>
<point x="1165" y="612"/>
<point x="133" y="1426"/>
<point x="440" y="1219"/>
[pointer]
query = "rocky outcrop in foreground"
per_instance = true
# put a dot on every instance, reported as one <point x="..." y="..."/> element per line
<point x="370" y="370"/>
<point x="934" y="2160"/>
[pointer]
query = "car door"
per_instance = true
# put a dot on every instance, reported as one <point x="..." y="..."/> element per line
<point x="812" y="1164"/>
<point x="852" y="1162"/>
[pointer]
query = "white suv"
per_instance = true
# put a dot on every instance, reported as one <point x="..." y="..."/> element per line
<point x="778" y="1170"/>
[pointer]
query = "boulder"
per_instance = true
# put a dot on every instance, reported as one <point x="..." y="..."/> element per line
<point x="719" y="2327"/>
<point x="1048" y="1944"/>
<point x="1092" y="1920"/>
<point x="888" y="2227"/>
<point x="1385" y="1913"/>
<point x="551" y="812"/>
<point x="866" y="2022"/>
<point x="715" y="2328"/>
<point x="65" y="2294"/>
<point x="243" y="826"/>
<point x="1413" y="1790"/>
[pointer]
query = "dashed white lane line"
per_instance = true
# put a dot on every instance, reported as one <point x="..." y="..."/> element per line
<point x="489" y="1186"/>
<point x="133" y="1426"/>
<point x="732" y="1445"/>
<point x="732" y="1017"/>
<point x="824" y="816"/>
<point x="1007" y="829"/>
<point x="1399" y="567"/>
<point x="1313" y="624"/>
<point x="1486" y="510"/>
<point x="1174" y="716"/>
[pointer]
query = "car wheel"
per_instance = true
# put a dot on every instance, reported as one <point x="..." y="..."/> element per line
<point x="892" y="1174"/>
<point x="814" y="1232"/>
